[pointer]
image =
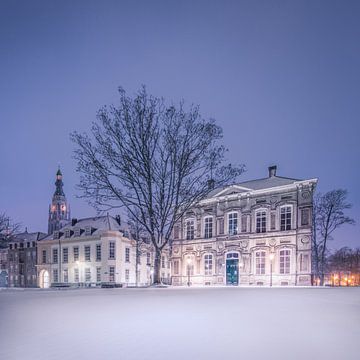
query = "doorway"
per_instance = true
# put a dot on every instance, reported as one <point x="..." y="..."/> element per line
<point x="232" y="269"/>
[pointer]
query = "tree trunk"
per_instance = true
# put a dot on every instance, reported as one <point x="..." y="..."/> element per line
<point x="157" y="267"/>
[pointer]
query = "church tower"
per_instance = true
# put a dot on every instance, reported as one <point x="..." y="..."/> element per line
<point x="59" y="210"/>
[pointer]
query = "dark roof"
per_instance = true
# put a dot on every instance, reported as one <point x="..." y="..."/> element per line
<point x="25" y="236"/>
<point x="258" y="184"/>
<point x="97" y="224"/>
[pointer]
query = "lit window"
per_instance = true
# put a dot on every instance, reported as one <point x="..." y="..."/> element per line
<point x="285" y="218"/>
<point x="208" y="231"/>
<point x="260" y="262"/>
<point x="284" y="261"/>
<point x="261" y="221"/>
<point x="233" y="223"/>
<point x="190" y="229"/>
<point x="208" y="262"/>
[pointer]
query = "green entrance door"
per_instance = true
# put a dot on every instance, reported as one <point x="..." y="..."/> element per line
<point x="232" y="271"/>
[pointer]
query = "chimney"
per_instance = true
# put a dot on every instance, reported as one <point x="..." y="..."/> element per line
<point x="118" y="219"/>
<point x="272" y="171"/>
<point x="73" y="221"/>
<point x="211" y="184"/>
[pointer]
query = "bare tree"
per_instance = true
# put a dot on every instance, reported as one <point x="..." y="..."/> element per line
<point x="328" y="216"/>
<point x="153" y="158"/>
<point x="7" y="229"/>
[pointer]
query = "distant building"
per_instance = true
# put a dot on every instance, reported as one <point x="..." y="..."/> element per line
<point x="4" y="271"/>
<point x="59" y="210"/>
<point x="92" y="252"/>
<point x="22" y="259"/>
<point x="253" y="233"/>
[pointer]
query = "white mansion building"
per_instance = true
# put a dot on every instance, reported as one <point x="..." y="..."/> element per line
<point x="253" y="233"/>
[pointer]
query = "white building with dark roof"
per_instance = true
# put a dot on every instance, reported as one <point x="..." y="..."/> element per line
<point x="253" y="233"/>
<point x="90" y="252"/>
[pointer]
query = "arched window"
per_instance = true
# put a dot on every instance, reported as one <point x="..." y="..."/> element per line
<point x="260" y="262"/>
<point x="208" y="263"/>
<point x="261" y="221"/>
<point x="284" y="261"/>
<point x="190" y="229"/>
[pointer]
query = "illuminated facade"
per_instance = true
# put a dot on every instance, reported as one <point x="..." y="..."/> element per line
<point x="59" y="210"/>
<point x="253" y="233"/>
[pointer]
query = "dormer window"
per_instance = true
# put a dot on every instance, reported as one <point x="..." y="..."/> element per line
<point x="88" y="230"/>
<point x="56" y="234"/>
<point x="67" y="233"/>
<point x="77" y="232"/>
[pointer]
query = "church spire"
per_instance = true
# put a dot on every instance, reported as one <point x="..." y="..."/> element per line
<point x="59" y="210"/>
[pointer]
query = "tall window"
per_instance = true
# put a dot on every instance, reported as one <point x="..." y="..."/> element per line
<point x="98" y="252"/>
<point x="111" y="250"/>
<point x="76" y="275"/>
<point x="208" y="262"/>
<point x="127" y="254"/>
<point x="305" y="217"/>
<point x="284" y="261"/>
<point x="111" y="273"/>
<point x="260" y="262"/>
<point x="87" y="251"/>
<point x="285" y="218"/>
<point x="127" y="275"/>
<point x="148" y="258"/>
<point x="87" y="275"/>
<point x="44" y="256"/>
<point x="65" y="255"/>
<point x="76" y="253"/>
<point x="208" y="227"/>
<point x="261" y="221"/>
<point x="55" y="255"/>
<point x="304" y="262"/>
<point x="55" y="275"/>
<point x="66" y="275"/>
<point x="98" y="274"/>
<point x="233" y="223"/>
<point x="190" y="229"/>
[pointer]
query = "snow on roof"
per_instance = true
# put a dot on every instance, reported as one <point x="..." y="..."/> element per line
<point x="25" y="236"/>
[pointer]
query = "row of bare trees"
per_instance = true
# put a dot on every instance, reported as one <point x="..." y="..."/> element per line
<point x="329" y="214"/>
<point x="344" y="260"/>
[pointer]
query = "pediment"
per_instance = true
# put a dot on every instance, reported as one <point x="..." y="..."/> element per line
<point x="231" y="190"/>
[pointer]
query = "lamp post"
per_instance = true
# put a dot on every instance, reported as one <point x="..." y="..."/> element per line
<point x="188" y="269"/>
<point x="271" y="267"/>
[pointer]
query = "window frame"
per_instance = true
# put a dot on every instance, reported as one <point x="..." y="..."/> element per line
<point x="233" y="230"/>
<point x="260" y="221"/>
<point x="286" y="218"/>
<point x="208" y="227"/>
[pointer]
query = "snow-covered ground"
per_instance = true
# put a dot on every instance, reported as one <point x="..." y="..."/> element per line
<point x="179" y="323"/>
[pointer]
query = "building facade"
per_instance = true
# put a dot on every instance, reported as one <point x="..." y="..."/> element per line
<point x="22" y="259"/>
<point x="4" y="271"/>
<point x="59" y="209"/>
<point x="92" y="252"/>
<point x="253" y="233"/>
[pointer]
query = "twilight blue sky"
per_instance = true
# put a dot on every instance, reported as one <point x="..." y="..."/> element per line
<point x="281" y="77"/>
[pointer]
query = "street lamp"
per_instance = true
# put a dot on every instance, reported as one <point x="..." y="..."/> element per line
<point x="271" y="266"/>
<point x="188" y="269"/>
